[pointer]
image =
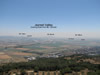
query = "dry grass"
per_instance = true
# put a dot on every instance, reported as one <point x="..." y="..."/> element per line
<point x="4" y="56"/>
<point x="20" y="53"/>
<point x="2" y="53"/>
<point x="22" y="49"/>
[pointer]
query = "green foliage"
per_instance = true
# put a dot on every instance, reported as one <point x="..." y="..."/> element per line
<point x="43" y="73"/>
<point x="48" y="73"/>
<point x="52" y="64"/>
<point x="91" y="73"/>
<point x="66" y="70"/>
<point x="36" y="69"/>
<point x="23" y="72"/>
<point x="54" y="73"/>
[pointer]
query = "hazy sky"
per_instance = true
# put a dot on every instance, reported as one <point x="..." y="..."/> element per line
<point x="70" y="17"/>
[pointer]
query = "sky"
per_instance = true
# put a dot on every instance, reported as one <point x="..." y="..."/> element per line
<point x="70" y="17"/>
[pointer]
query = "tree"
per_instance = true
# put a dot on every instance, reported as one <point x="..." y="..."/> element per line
<point x="23" y="72"/>
<point x="36" y="69"/>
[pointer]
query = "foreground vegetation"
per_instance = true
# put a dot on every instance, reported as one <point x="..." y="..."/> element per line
<point x="62" y="64"/>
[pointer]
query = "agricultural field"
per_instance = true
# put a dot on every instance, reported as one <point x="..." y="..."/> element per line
<point x="18" y="48"/>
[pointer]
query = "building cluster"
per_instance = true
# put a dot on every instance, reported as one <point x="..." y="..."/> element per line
<point x="50" y="55"/>
<point x="29" y="58"/>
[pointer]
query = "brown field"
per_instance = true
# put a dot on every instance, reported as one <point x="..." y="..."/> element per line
<point x="2" y="53"/>
<point x="20" y="53"/>
<point x="4" y="56"/>
<point x="47" y="47"/>
<point x="91" y="61"/>
<point x="22" y="49"/>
